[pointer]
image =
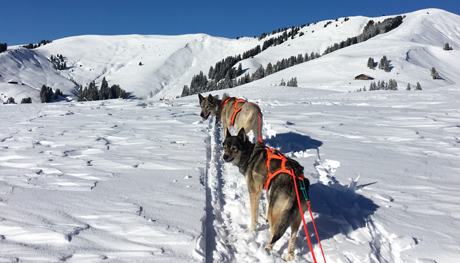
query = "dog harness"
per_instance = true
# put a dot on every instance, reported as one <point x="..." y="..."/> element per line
<point x="237" y="110"/>
<point x="272" y="154"/>
<point x="234" y="106"/>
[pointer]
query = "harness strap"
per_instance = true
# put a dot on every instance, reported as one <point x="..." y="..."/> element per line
<point x="272" y="154"/>
<point x="237" y="110"/>
<point x="305" y="225"/>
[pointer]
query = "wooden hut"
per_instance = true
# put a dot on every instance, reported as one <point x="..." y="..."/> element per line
<point x="363" y="77"/>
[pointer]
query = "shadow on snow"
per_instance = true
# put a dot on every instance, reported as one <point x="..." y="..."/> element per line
<point x="292" y="142"/>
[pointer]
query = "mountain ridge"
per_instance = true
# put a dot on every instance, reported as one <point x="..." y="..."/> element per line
<point x="155" y="66"/>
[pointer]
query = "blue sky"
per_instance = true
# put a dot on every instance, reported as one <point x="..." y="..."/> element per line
<point x="25" y="21"/>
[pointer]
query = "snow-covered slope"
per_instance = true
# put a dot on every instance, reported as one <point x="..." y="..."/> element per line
<point x="143" y="180"/>
<point x="170" y="62"/>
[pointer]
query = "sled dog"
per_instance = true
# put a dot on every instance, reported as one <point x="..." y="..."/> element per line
<point x="257" y="165"/>
<point x="233" y="112"/>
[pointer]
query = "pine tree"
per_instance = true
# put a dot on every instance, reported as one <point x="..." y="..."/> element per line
<point x="282" y="83"/>
<point x="384" y="64"/>
<point x="392" y="84"/>
<point x="269" y="69"/>
<point x="26" y="100"/>
<point x="3" y="47"/>
<point x="446" y="47"/>
<point x="418" y="87"/>
<point x="239" y="71"/>
<point x="291" y="83"/>
<point x="370" y="63"/>
<point x="434" y="74"/>
<point x="408" y="86"/>
<point x="10" y="100"/>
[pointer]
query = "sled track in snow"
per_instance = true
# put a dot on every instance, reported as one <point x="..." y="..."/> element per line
<point x="217" y="249"/>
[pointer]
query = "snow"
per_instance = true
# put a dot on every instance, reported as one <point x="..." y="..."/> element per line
<point x="142" y="180"/>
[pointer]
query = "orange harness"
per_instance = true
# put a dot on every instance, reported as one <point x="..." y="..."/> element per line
<point x="236" y="111"/>
<point x="272" y="154"/>
<point x="234" y="106"/>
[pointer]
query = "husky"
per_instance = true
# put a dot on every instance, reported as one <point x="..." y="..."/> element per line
<point x="282" y="205"/>
<point x="233" y="112"/>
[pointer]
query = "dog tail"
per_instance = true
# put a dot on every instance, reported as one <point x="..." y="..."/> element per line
<point x="288" y="215"/>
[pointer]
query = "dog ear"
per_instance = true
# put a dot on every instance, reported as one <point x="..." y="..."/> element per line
<point x="200" y="97"/>
<point x="210" y="98"/>
<point x="242" y="135"/>
<point x="228" y="133"/>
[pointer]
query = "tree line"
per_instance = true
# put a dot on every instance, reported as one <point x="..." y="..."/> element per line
<point x="105" y="92"/>
<point x="33" y="46"/>
<point x="371" y="30"/>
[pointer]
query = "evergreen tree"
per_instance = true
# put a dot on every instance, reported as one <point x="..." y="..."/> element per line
<point x="57" y="93"/>
<point x="446" y="47"/>
<point x="258" y="74"/>
<point x="282" y="83"/>
<point x="370" y="63"/>
<point x="3" y="47"/>
<point x="392" y="85"/>
<point x="300" y="59"/>
<point x="434" y="74"/>
<point x="408" y="86"/>
<point x="10" y="100"/>
<point x="104" y="91"/>
<point x="292" y="82"/>
<point x="26" y="100"/>
<point x="185" y="91"/>
<point x="384" y="64"/>
<point x="45" y="94"/>
<point x="418" y="86"/>
<point x="269" y="69"/>
<point x="239" y="71"/>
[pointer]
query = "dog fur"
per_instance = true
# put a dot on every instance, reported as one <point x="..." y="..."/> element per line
<point x="249" y="117"/>
<point x="282" y="206"/>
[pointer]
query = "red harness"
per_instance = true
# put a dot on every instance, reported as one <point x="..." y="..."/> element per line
<point x="237" y="110"/>
<point x="234" y="106"/>
<point x="272" y="154"/>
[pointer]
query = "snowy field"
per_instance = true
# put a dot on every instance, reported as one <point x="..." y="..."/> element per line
<point x="143" y="181"/>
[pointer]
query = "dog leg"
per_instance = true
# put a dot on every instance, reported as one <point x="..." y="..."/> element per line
<point x="266" y="206"/>
<point x="254" y="196"/>
<point x="294" y="229"/>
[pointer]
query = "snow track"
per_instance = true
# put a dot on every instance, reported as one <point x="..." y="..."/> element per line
<point x="217" y="247"/>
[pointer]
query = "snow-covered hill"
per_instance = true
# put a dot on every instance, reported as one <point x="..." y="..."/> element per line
<point x="142" y="180"/>
<point x="159" y="66"/>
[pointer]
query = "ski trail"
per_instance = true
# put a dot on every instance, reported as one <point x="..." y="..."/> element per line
<point x="217" y="248"/>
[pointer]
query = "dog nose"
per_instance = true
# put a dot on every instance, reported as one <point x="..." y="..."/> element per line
<point x="225" y="157"/>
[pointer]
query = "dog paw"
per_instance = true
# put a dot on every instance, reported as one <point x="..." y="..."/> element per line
<point x="268" y="247"/>
<point x="249" y="230"/>
<point x="289" y="257"/>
